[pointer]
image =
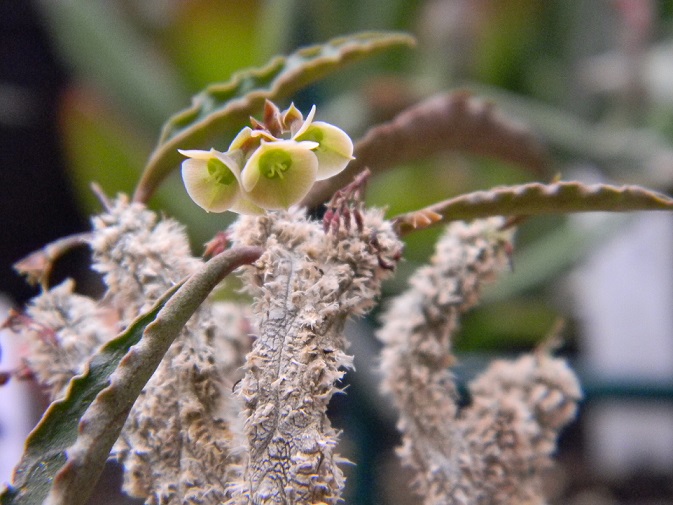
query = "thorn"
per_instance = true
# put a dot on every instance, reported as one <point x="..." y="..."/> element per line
<point x="384" y="264"/>
<point x="359" y="185"/>
<point x="336" y="199"/>
<point x="509" y="251"/>
<point x="424" y="218"/>
<point x="235" y="386"/>
<point x="24" y="373"/>
<point x="17" y="321"/>
<point x="102" y="197"/>
<point x="553" y="340"/>
<point x="374" y="241"/>
<point x="335" y="223"/>
<point x="513" y="221"/>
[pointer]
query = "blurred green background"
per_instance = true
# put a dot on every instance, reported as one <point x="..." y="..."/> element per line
<point x="592" y="78"/>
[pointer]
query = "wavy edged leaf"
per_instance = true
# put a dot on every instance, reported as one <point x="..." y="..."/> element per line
<point x="453" y="121"/>
<point x="535" y="199"/>
<point x="67" y="450"/>
<point x="222" y="109"/>
<point x="46" y="446"/>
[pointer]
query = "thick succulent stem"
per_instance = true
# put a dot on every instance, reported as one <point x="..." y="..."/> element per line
<point x="306" y="285"/>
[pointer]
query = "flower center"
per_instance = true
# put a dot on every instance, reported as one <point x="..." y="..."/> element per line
<point x="313" y="134"/>
<point x="219" y="172"/>
<point x="274" y="163"/>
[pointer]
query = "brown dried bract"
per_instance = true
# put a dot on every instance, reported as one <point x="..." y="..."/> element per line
<point x="347" y="206"/>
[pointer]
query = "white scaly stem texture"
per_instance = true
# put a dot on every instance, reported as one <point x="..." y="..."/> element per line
<point x="305" y="285"/>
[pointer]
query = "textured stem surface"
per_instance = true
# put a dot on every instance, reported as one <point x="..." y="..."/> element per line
<point x="492" y="452"/>
<point x="101" y="424"/>
<point x="418" y="331"/>
<point x="306" y="285"/>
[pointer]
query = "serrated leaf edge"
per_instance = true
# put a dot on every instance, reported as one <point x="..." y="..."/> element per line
<point x="537" y="199"/>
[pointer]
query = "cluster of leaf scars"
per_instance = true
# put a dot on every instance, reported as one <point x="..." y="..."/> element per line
<point x="210" y="402"/>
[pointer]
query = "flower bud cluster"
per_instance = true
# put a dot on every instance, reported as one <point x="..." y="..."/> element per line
<point x="270" y="166"/>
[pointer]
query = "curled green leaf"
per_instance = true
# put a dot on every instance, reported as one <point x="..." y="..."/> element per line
<point x="222" y="108"/>
<point x="67" y="450"/>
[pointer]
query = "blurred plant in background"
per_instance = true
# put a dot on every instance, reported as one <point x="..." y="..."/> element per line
<point x="592" y="79"/>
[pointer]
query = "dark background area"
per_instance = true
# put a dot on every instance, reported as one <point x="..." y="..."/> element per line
<point x="36" y="198"/>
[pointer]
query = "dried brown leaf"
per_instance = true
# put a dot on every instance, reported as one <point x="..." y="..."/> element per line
<point x="454" y="121"/>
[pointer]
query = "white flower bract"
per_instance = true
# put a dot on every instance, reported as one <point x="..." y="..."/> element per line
<point x="211" y="179"/>
<point x="279" y="174"/>
<point x="264" y="171"/>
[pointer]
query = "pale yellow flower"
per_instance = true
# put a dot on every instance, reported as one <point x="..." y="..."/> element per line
<point x="335" y="147"/>
<point x="265" y="170"/>
<point x="212" y="181"/>
<point x="280" y="173"/>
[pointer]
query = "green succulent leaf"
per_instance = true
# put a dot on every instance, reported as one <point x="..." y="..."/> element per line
<point x="535" y="199"/>
<point x="67" y="450"/>
<point x="221" y="109"/>
<point x="45" y="452"/>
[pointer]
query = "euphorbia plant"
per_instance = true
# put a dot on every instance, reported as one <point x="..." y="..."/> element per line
<point x="151" y="371"/>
